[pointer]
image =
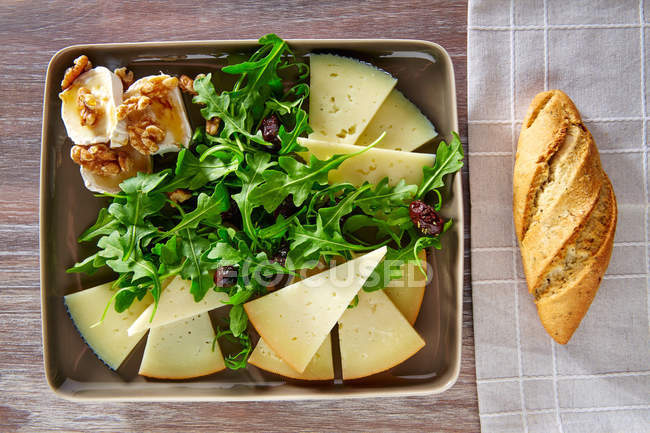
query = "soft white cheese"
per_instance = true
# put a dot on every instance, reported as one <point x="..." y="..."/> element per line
<point x="177" y="303"/>
<point x="372" y="165"/>
<point x="111" y="184"/>
<point x="405" y="126"/>
<point x="344" y="96"/>
<point x="320" y="367"/>
<point x="182" y="350"/>
<point x="374" y="336"/>
<point x="169" y="113"/>
<point x="295" y="320"/>
<point x="109" y="340"/>
<point x="106" y="87"/>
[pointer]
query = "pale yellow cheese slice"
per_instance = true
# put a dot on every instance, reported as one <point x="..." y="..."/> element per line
<point x="374" y="336"/>
<point x="182" y="350"/>
<point x="372" y="165"/>
<point x="320" y="367"/>
<point x="407" y="292"/>
<point x="109" y="340"/>
<point x="296" y="319"/>
<point x="176" y="303"/>
<point x="405" y="126"/>
<point x="344" y="96"/>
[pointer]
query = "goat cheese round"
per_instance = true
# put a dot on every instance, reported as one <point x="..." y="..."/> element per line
<point x="166" y="110"/>
<point x="88" y="106"/>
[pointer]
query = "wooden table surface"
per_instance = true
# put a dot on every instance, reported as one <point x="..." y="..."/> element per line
<point x="30" y="33"/>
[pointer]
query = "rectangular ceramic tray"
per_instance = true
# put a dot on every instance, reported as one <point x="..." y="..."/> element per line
<point x="425" y="75"/>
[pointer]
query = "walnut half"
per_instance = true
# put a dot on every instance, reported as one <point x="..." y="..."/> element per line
<point x="187" y="85"/>
<point x="101" y="159"/>
<point x="89" y="109"/>
<point x="125" y="76"/>
<point x="81" y="65"/>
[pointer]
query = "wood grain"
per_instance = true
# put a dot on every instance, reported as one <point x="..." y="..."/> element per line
<point x="30" y="33"/>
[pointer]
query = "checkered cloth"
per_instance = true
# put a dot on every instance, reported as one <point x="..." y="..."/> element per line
<point x="598" y="52"/>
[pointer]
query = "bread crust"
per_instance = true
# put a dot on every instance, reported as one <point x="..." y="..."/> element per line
<point x="564" y="211"/>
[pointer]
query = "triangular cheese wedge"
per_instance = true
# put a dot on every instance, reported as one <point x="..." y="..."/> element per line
<point x="344" y="96"/>
<point x="372" y="165"/>
<point x="109" y="340"/>
<point x="320" y="367"/>
<point x="182" y="350"/>
<point x="177" y="303"/>
<point x="407" y="292"/>
<point x="296" y="319"/>
<point x="374" y="336"/>
<point x="405" y="126"/>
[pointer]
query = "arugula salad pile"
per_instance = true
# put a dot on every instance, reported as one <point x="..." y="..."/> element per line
<point x="257" y="213"/>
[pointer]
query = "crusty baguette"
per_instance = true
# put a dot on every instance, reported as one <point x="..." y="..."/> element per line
<point x="564" y="212"/>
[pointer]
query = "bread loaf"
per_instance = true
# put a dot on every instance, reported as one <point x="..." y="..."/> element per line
<point x="564" y="212"/>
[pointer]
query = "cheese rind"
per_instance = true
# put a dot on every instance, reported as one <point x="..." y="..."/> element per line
<point x="344" y="96"/>
<point x="372" y="165"/>
<point x="374" y="336"/>
<point x="177" y="303"/>
<point x="296" y="319"/>
<point x="108" y="340"/>
<point x="182" y="350"/>
<point x="407" y="292"/>
<point x="106" y="87"/>
<point x="320" y="367"/>
<point x="405" y="126"/>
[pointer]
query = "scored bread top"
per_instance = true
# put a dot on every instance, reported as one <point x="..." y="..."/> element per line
<point x="563" y="213"/>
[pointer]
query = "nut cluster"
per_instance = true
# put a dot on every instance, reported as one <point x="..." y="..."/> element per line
<point x="145" y="135"/>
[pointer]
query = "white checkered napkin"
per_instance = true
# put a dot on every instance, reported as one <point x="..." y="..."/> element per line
<point x="598" y="52"/>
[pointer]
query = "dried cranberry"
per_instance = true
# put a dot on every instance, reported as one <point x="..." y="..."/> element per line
<point x="270" y="128"/>
<point x="425" y="218"/>
<point x="286" y="208"/>
<point x="225" y="276"/>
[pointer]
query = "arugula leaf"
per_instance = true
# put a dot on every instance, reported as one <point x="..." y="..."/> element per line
<point x="195" y="268"/>
<point x="297" y="178"/>
<point x="105" y="224"/>
<point x="280" y="227"/>
<point x="113" y="251"/>
<point x="218" y="106"/>
<point x="384" y="229"/>
<point x="449" y="159"/>
<point x="238" y="360"/>
<point x="310" y="242"/>
<point x="385" y="198"/>
<point x="289" y="140"/>
<point x="225" y="254"/>
<point x="132" y="213"/>
<point x="125" y="297"/>
<point x="193" y="173"/>
<point x="88" y="266"/>
<point x="238" y="320"/>
<point x="170" y="255"/>
<point x="262" y="71"/>
<point x="331" y="216"/>
<point x="143" y="183"/>
<point x="251" y="178"/>
<point x="207" y="208"/>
